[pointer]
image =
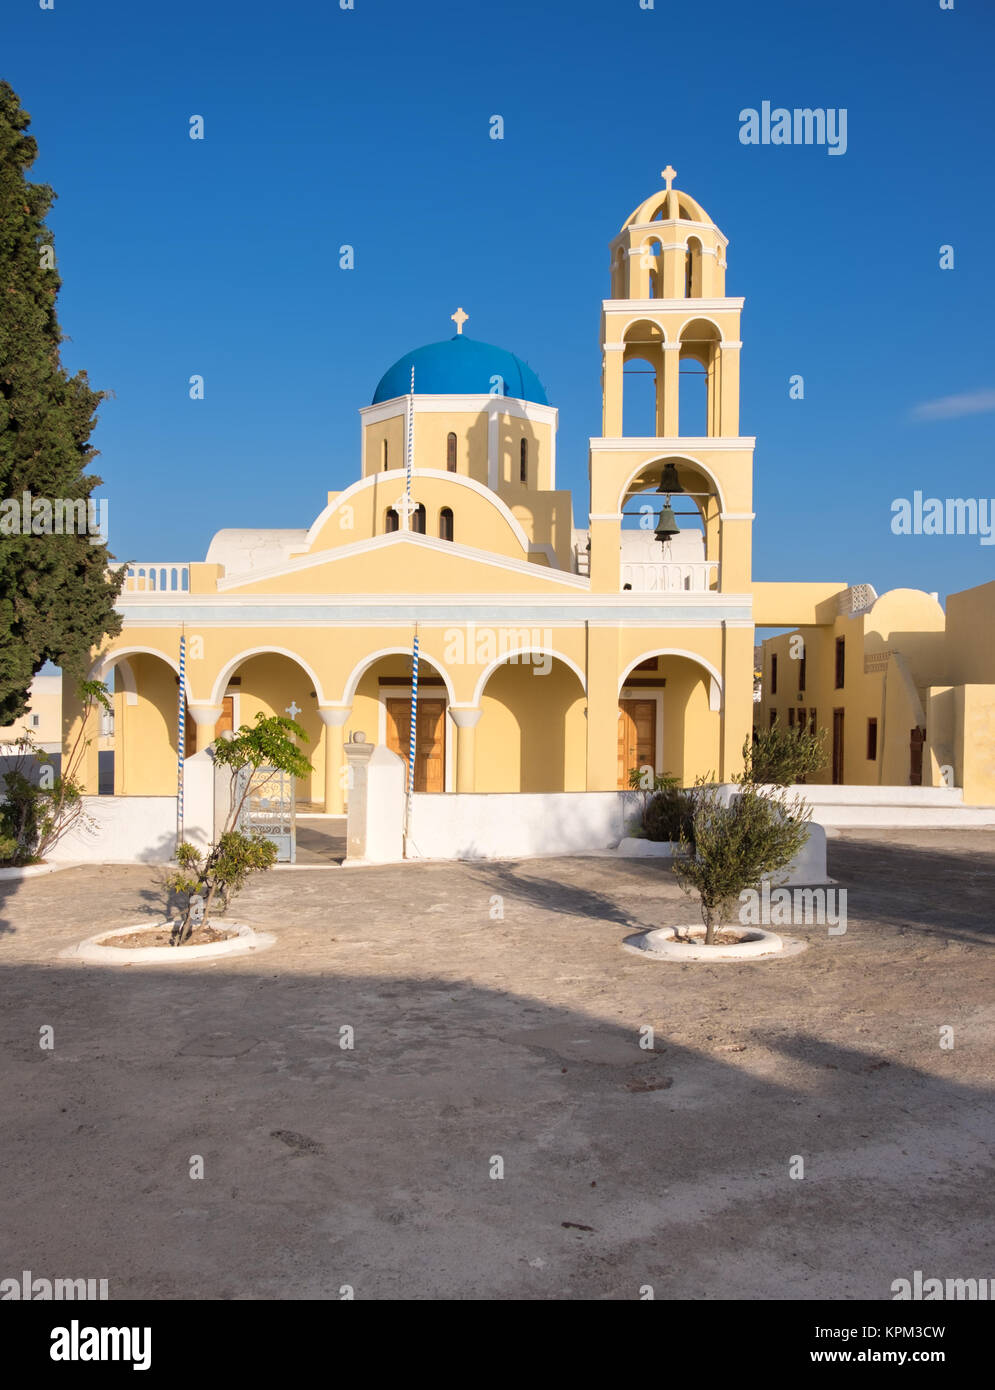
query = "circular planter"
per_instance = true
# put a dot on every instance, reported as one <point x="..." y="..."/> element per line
<point x="94" y="950"/>
<point x="754" y="944"/>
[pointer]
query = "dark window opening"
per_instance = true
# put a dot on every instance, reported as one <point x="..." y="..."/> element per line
<point x="840" y="662"/>
<point x="773" y="675"/>
<point x="872" y="740"/>
<point x="524" y="461"/>
<point x="451" y="453"/>
<point x="391" y="521"/>
<point x="418" y="520"/>
<point x="446" y="524"/>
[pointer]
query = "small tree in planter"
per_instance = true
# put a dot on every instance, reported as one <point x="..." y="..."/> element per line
<point x="234" y="856"/>
<point x="34" y="815"/>
<point x="649" y="782"/>
<point x="779" y="757"/>
<point x="737" y="844"/>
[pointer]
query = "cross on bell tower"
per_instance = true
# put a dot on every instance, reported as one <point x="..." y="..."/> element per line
<point x="459" y="318"/>
<point x="669" y="174"/>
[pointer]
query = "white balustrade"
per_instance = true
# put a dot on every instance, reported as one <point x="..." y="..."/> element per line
<point x="157" y="577"/>
<point x="670" y="576"/>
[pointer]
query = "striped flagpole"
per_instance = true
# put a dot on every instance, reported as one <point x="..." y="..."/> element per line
<point x="410" y="449"/>
<point x="413" y="734"/>
<point x="414" y="722"/>
<point x="181" y="739"/>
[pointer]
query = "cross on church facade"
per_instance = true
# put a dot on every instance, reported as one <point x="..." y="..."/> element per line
<point x="406" y="507"/>
<point x="459" y="318"/>
<point x="293" y="709"/>
<point x="670" y="173"/>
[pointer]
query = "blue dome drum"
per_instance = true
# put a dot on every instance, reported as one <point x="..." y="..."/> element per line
<point x="461" y="366"/>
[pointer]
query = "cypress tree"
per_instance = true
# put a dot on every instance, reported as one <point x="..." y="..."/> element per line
<point x="56" y="593"/>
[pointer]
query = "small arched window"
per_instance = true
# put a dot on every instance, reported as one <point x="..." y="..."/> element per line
<point x="446" y="524"/>
<point x="418" y="520"/>
<point x="451" y="453"/>
<point x="383" y="454"/>
<point x="391" y="521"/>
<point x="523" y="466"/>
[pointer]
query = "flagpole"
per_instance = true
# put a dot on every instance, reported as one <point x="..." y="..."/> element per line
<point x="413" y="732"/>
<point x="180" y="740"/>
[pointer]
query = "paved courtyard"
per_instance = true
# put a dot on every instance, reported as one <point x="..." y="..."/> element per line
<point x="497" y="1023"/>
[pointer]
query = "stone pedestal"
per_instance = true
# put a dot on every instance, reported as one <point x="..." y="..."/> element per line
<point x="375" y="825"/>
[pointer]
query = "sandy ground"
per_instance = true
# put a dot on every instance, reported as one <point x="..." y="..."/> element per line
<point x="481" y="1037"/>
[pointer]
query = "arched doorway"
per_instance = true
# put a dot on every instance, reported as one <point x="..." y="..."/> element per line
<point x="669" y="717"/>
<point x="380" y="693"/>
<point x="532" y="731"/>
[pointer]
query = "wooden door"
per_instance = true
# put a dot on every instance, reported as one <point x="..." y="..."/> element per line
<point x="430" y="740"/>
<point x="636" y="737"/>
<point x="837" y="746"/>
<point x="916" y="740"/>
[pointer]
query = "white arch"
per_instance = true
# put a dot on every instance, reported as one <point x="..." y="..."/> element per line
<point x="664" y="458"/>
<point x="221" y="684"/>
<point x="128" y="685"/>
<point x="363" y="666"/>
<point x="458" y="479"/>
<point x="105" y="663"/>
<point x="714" y="685"/>
<point x="644" y="318"/>
<point x="693" y="318"/>
<point x="522" y="651"/>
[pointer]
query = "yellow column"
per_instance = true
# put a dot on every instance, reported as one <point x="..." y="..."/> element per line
<point x="737" y="696"/>
<point x="334" y="718"/>
<point x="669" y="427"/>
<point x="611" y="426"/>
<point x="606" y="543"/>
<point x="466" y="719"/>
<point x="602" y="709"/>
<point x="87" y="770"/>
<point x="727" y="415"/>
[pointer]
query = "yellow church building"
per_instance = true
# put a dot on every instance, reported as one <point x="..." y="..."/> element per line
<point x="552" y="658"/>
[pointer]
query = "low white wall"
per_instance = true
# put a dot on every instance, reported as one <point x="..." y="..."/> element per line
<point x="513" y="825"/>
<point x="127" y="830"/>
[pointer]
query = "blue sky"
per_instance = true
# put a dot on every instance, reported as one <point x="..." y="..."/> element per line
<point x="370" y="127"/>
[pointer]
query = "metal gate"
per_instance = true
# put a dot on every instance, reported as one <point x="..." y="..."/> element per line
<point x="269" y="810"/>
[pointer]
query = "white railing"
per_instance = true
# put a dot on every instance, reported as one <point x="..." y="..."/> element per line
<point x="157" y="577"/>
<point x="670" y="576"/>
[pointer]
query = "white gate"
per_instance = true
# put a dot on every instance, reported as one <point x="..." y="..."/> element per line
<point x="269" y="809"/>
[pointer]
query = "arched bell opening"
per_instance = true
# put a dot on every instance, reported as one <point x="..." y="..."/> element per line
<point x="642" y="380"/>
<point x="699" y="375"/>
<point x="669" y="532"/>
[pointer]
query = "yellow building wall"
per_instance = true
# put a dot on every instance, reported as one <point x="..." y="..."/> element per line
<point x="974" y="716"/>
<point x="145" y="761"/>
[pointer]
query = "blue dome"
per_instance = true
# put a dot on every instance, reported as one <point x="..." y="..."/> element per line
<point x="460" y="366"/>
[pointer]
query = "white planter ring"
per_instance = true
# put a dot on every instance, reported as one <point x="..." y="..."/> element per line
<point x="661" y="945"/>
<point x="93" y="951"/>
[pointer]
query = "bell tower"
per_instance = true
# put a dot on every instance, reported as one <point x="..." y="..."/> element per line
<point x="669" y="311"/>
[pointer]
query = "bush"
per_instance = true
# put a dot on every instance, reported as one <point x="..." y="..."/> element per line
<point x="35" y="814"/>
<point x="736" y="845"/>
<point x="780" y="757"/>
<point x="669" y="815"/>
<point x="234" y="856"/>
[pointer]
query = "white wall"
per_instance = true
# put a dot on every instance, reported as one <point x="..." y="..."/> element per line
<point x="128" y="830"/>
<point x="509" y="825"/>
